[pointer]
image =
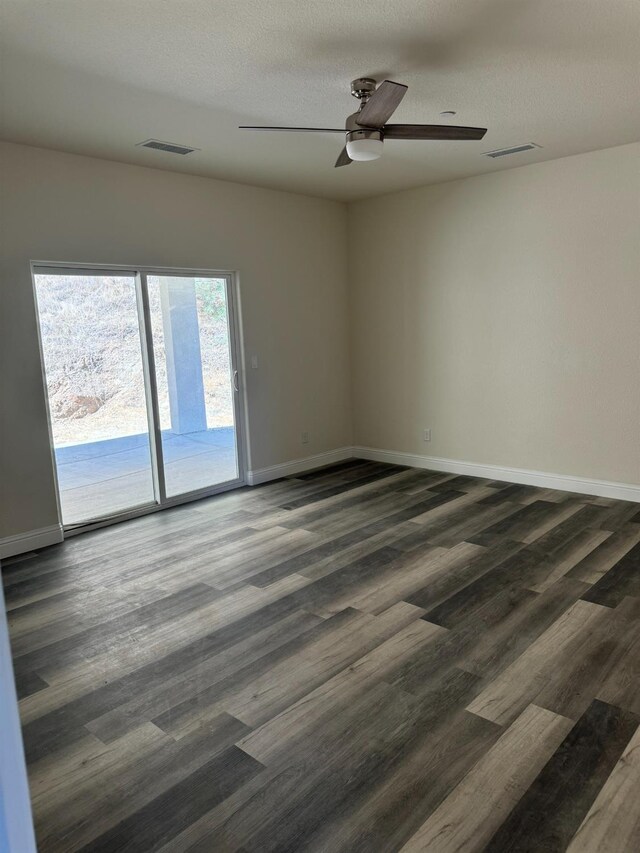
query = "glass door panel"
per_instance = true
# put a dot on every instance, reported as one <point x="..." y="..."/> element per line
<point x="91" y="345"/>
<point x="195" y="380"/>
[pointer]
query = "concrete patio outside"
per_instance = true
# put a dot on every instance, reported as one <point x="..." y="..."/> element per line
<point x="101" y="478"/>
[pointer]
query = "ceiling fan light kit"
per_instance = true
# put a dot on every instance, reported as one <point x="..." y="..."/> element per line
<point x="367" y="128"/>
<point x="364" y="144"/>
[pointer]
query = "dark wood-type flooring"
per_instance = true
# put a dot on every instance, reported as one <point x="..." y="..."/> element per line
<point x="363" y="658"/>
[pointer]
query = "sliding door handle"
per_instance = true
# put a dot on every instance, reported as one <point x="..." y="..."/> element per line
<point x="236" y="387"/>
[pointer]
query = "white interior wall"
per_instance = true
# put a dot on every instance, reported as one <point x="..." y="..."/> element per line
<point x="290" y="255"/>
<point x="503" y="313"/>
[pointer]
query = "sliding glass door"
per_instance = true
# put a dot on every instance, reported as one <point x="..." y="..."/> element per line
<point x="142" y="382"/>
<point x="95" y="381"/>
<point x="195" y="380"/>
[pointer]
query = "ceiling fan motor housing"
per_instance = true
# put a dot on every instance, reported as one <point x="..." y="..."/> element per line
<point x="364" y="133"/>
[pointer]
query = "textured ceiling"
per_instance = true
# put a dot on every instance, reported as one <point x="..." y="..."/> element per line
<point x="98" y="76"/>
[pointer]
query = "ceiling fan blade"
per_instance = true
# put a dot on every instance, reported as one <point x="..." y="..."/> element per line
<point x="296" y="129"/>
<point x="432" y="131"/>
<point x="343" y="158"/>
<point x="382" y="104"/>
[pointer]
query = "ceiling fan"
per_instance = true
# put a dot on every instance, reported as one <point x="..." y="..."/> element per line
<point x="367" y="128"/>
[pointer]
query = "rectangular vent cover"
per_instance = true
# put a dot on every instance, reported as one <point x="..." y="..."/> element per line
<point x="171" y="147"/>
<point x="517" y="149"/>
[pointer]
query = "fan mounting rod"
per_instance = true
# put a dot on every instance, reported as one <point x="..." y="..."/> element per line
<point x="363" y="87"/>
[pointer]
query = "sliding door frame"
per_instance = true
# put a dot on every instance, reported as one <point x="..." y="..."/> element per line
<point x="236" y="378"/>
<point x="151" y="388"/>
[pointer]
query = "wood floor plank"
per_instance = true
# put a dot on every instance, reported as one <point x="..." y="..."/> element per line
<point x="329" y="491"/>
<point x="613" y="548"/>
<point x="570" y="689"/>
<point x="442" y="587"/>
<point x="621" y="580"/>
<point x="406" y="575"/>
<point x="335" y="545"/>
<point x="612" y="824"/>
<point x="183" y="803"/>
<point x="277" y="733"/>
<point x="620" y="686"/>
<point x="553" y="807"/>
<point x="360" y="658"/>
<point x="358" y="750"/>
<point x="284" y="684"/>
<point x="54" y="777"/>
<point x="160" y="695"/>
<point x="28" y="683"/>
<point x="277" y="681"/>
<point x="510" y="574"/>
<point x="522" y="681"/>
<point x="494" y="650"/>
<point x="397" y="805"/>
<point x="467" y="818"/>
<point x="562" y="560"/>
<point x="127" y="782"/>
<point x="520" y="525"/>
<point x="358" y="500"/>
<point x="99" y="637"/>
<point x="58" y="710"/>
<point x="459" y="524"/>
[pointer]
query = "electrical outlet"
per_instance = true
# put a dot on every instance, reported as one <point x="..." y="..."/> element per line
<point x="304" y="437"/>
<point x="427" y="435"/>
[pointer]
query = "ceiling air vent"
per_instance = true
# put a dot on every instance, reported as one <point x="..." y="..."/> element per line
<point x="517" y="149"/>
<point x="170" y="147"/>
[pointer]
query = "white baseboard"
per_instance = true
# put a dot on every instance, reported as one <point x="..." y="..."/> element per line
<point x="30" y="541"/>
<point x="523" y="476"/>
<point x="286" y="469"/>
<point x="563" y="482"/>
<point x="34" y="539"/>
